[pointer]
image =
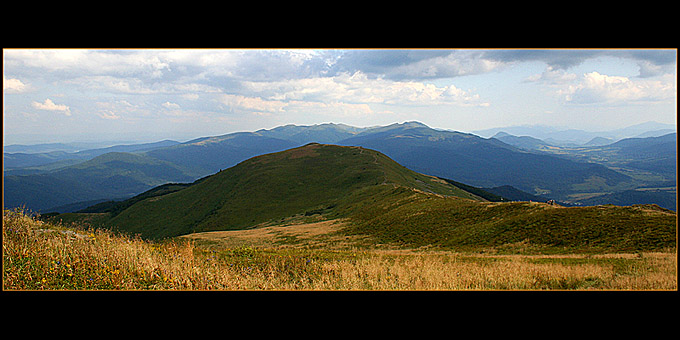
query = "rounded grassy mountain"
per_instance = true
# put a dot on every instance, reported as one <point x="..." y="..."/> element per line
<point x="315" y="178"/>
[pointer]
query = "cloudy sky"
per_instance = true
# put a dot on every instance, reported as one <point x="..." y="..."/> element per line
<point x="62" y="95"/>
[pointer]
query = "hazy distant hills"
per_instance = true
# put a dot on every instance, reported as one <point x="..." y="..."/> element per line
<point x="575" y="137"/>
<point x="112" y="175"/>
<point x="36" y="157"/>
<point x="562" y="173"/>
<point x="650" y="161"/>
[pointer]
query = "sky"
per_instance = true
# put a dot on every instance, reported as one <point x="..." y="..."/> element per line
<point x="145" y="95"/>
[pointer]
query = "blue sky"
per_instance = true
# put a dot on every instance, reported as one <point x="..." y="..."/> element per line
<point x="63" y="95"/>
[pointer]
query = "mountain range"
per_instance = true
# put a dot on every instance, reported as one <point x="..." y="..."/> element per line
<point x="574" y="137"/>
<point x="568" y="175"/>
<point x="378" y="200"/>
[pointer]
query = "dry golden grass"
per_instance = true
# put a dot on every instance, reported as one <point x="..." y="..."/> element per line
<point x="39" y="256"/>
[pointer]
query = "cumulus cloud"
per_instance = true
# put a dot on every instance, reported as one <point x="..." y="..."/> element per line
<point x="359" y="88"/>
<point x="413" y="64"/>
<point x="190" y="96"/>
<point x="122" y="85"/>
<point x="12" y="85"/>
<point x="332" y="83"/>
<point x="651" y="62"/>
<point x="594" y="87"/>
<point x="170" y="106"/>
<point x="49" y="105"/>
<point x="71" y="62"/>
<point x="459" y="63"/>
<point x="268" y="107"/>
<point x="254" y="104"/>
<point x="552" y="76"/>
<point x="557" y="59"/>
<point x="108" y="114"/>
<point x="112" y="85"/>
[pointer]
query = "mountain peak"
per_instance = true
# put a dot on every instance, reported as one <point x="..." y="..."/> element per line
<point x="313" y="177"/>
<point x="414" y="123"/>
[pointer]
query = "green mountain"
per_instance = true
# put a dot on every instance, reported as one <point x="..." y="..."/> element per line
<point x="383" y="201"/>
<point x="314" y="178"/>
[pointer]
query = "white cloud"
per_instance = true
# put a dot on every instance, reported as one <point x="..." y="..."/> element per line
<point x="457" y="63"/>
<point x="594" y="87"/>
<point x="359" y="88"/>
<point x="337" y="109"/>
<point x="113" y="109"/>
<point x="190" y="96"/>
<point x="552" y="76"/>
<point x="120" y="85"/>
<point x="251" y="103"/>
<point x="108" y="114"/>
<point x="12" y="85"/>
<point x="267" y="107"/>
<point x="91" y="62"/>
<point x="112" y="85"/>
<point x="170" y="106"/>
<point x="49" y="105"/>
<point x="344" y="95"/>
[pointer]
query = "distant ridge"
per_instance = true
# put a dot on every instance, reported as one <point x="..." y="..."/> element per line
<point x="549" y="171"/>
<point x="567" y="136"/>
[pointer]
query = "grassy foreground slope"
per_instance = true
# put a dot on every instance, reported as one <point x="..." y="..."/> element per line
<point x="418" y="220"/>
<point x="314" y="178"/>
<point x="46" y="256"/>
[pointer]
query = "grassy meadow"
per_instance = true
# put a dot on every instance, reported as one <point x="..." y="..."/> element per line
<point x="40" y="255"/>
